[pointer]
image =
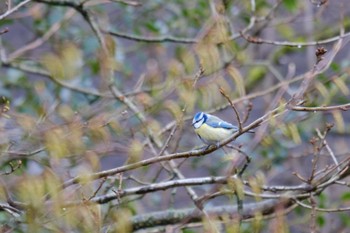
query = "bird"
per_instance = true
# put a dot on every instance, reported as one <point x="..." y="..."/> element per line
<point x="211" y="129"/>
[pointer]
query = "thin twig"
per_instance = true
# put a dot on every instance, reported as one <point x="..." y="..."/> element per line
<point x="233" y="107"/>
<point x="166" y="144"/>
<point x="37" y="70"/>
<point x="328" y="210"/>
<point x="313" y="214"/>
<point x="199" y="74"/>
<point x="318" y="68"/>
<point x="158" y="39"/>
<point x="249" y="108"/>
<point x="13" y="9"/>
<point x="186" y="154"/>
<point x="330" y="151"/>
<point x="41" y="40"/>
<point x="247" y="158"/>
<point x="98" y="189"/>
<point x="257" y="40"/>
<point x="3" y="31"/>
<point x="342" y="107"/>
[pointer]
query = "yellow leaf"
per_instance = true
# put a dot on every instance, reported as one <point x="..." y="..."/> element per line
<point x="256" y="183"/>
<point x="31" y="190"/>
<point x="255" y="186"/>
<point x="232" y="156"/>
<point x="93" y="160"/>
<point x="66" y="112"/>
<point x="339" y="121"/>
<point x="211" y="224"/>
<point x="237" y="186"/>
<point x="173" y="108"/>
<point x="237" y="78"/>
<point x="209" y="57"/>
<point x="71" y="59"/>
<point x="26" y="122"/>
<point x="135" y="151"/>
<point x="66" y="64"/>
<point x="322" y="89"/>
<point x="97" y="131"/>
<point x="175" y="68"/>
<point x="55" y="143"/>
<point x="188" y="60"/>
<point x="293" y="130"/>
<point x="231" y="225"/>
<point x="341" y="85"/>
<point x="122" y="219"/>
<point x="257" y="222"/>
<point x="267" y="141"/>
<point x="54" y="65"/>
<point x="216" y="32"/>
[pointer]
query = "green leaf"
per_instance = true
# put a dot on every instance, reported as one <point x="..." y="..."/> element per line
<point x="290" y="5"/>
<point x="94" y="66"/>
<point x="344" y="218"/>
<point x="6" y="22"/>
<point x="187" y="231"/>
<point x="322" y="200"/>
<point x="256" y="74"/>
<point x="152" y="27"/>
<point x="345" y="196"/>
<point x="320" y="220"/>
<point x="335" y="67"/>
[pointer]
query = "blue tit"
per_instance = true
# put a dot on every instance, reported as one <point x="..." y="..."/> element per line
<point x="211" y="129"/>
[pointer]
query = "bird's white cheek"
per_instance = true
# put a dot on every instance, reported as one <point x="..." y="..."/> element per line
<point x="197" y="125"/>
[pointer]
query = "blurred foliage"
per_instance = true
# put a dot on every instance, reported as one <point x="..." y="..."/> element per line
<point x="59" y="115"/>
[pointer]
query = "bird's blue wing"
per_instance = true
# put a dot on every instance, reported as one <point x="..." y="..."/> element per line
<point x="216" y="122"/>
<point x="222" y="124"/>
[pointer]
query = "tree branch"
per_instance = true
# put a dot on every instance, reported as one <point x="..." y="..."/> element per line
<point x="249" y="212"/>
<point x="342" y="107"/>
<point x="16" y="8"/>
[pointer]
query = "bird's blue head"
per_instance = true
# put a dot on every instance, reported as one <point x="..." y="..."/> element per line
<point x="199" y="119"/>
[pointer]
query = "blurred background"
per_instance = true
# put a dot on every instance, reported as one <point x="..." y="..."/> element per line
<point x="92" y="85"/>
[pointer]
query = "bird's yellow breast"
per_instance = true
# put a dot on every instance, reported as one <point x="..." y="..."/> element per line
<point x="213" y="135"/>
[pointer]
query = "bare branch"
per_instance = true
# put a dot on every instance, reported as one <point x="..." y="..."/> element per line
<point x="342" y="107"/>
<point x="13" y="9"/>
<point x="233" y="107"/>
<point x="148" y="39"/>
<point x="38" y="42"/>
<point x="323" y="137"/>
<point x="257" y="40"/>
<point x="319" y="67"/>
<point x="328" y="210"/>
<point x="153" y="160"/>
<point x="3" y="31"/>
<point x="176" y="216"/>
